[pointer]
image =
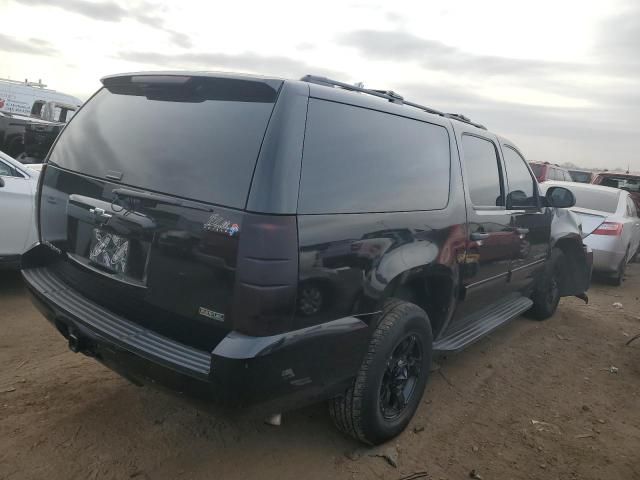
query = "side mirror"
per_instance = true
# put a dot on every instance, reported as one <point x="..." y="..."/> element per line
<point x="560" y="197"/>
<point x="1" y="182"/>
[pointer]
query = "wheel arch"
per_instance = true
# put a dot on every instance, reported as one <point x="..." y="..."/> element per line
<point x="432" y="288"/>
<point x="577" y="272"/>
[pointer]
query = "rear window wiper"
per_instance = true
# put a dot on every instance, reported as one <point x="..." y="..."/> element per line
<point x="126" y="193"/>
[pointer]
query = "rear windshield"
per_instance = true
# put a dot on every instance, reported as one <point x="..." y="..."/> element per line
<point x="596" y="199"/>
<point x="358" y="160"/>
<point x="582" y="177"/>
<point x="537" y="169"/>
<point x="199" y="140"/>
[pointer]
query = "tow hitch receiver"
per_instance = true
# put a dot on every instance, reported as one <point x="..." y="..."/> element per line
<point x="75" y="344"/>
<point x="78" y="344"/>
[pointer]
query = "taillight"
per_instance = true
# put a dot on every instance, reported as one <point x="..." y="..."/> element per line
<point x="613" y="229"/>
<point x="266" y="275"/>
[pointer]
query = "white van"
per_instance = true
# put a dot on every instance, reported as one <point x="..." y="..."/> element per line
<point x="24" y="97"/>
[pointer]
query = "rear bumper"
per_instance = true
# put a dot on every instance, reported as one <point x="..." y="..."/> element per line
<point x="277" y="372"/>
<point x="608" y="252"/>
<point x="604" y="261"/>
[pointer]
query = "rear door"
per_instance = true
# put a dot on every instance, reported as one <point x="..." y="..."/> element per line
<point x="530" y="220"/>
<point x="492" y="241"/>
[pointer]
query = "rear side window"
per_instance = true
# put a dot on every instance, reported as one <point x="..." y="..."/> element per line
<point x="198" y="140"/>
<point x="5" y="170"/>
<point x="537" y="169"/>
<point x="522" y="186"/>
<point x="358" y="160"/>
<point x="483" y="171"/>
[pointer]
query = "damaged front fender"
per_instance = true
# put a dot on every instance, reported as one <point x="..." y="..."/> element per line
<point x="566" y="234"/>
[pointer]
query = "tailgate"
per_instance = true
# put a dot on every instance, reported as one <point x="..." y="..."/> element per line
<point x="167" y="265"/>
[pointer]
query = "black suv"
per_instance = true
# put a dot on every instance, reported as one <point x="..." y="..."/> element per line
<point x="258" y="241"/>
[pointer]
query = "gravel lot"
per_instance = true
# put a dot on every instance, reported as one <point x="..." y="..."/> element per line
<point x="534" y="400"/>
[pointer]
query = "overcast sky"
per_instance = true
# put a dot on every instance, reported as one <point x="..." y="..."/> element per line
<point x="561" y="78"/>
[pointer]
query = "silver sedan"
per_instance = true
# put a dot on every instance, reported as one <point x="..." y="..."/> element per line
<point x="610" y="225"/>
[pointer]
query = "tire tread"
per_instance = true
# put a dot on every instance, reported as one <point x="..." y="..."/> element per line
<point x="346" y="409"/>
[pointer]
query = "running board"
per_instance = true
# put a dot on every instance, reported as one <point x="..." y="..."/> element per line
<point x="482" y="323"/>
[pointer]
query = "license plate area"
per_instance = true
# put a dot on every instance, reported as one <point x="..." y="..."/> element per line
<point x="109" y="251"/>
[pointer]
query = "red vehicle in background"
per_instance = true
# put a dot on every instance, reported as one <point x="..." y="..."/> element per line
<point x="623" y="181"/>
<point x="547" y="171"/>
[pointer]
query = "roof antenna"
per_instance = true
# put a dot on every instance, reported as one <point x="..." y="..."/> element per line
<point x="628" y="166"/>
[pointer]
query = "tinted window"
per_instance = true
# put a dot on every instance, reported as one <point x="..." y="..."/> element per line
<point x="582" y="177"/>
<point x="5" y="170"/>
<point x="537" y="169"/>
<point x="360" y="160"/>
<point x="591" y="199"/>
<point x="483" y="173"/>
<point x="521" y="184"/>
<point x="199" y="140"/>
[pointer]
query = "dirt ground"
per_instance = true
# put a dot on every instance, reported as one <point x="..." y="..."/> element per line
<point x="533" y="400"/>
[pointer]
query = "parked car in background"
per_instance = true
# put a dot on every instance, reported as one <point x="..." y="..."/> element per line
<point x="319" y="241"/>
<point x="545" y="171"/>
<point x="582" y="176"/>
<point x="624" y="181"/>
<point x="31" y="117"/>
<point x="610" y="226"/>
<point x="17" y="210"/>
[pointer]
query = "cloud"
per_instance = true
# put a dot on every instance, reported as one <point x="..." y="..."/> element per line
<point x="33" y="46"/>
<point x="403" y="46"/>
<point x="262" y="64"/>
<point x="110" y="11"/>
<point x="180" y="39"/>
<point x="595" y="137"/>
<point x="106" y="10"/>
<point x="617" y="41"/>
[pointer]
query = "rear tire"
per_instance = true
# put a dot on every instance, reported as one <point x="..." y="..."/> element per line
<point x="622" y="268"/>
<point x="547" y="293"/>
<point x="390" y="383"/>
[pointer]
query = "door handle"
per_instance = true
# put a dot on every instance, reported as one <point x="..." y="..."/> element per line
<point x="522" y="231"/>
<point x="479" y="236"/>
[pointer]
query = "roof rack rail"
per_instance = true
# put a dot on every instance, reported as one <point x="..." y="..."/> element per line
<point x="387" y="95"/>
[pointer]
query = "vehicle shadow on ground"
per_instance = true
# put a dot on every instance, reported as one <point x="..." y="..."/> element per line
<point x="159" y="429"/>
<point x="11" y="281"/>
